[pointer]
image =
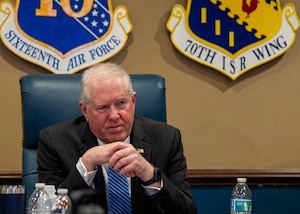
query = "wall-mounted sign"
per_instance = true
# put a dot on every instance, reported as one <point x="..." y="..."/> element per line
<point x="64" y="36"/>
<point x="233" y="36"/>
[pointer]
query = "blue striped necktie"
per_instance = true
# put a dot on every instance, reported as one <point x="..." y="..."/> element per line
<point x="119" y="198"/>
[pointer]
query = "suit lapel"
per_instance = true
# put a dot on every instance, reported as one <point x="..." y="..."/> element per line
<point x="100" y="188"/>
<point x="88" y="139"/>
<point x="138" y="138"/>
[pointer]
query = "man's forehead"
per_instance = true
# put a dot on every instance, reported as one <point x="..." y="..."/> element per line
<point x="99" y="81"/>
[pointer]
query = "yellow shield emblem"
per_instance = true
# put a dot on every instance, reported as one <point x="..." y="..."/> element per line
<point x="233" y="36"/>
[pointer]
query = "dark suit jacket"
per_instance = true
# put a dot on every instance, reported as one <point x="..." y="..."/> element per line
<point x="61" y="146"/>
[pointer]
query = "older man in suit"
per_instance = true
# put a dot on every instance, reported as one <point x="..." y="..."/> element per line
<point x="77" y="154"/>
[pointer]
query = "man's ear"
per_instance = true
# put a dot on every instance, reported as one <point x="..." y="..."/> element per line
<point x="133" y="97"/>
<point x="83" y="109"/>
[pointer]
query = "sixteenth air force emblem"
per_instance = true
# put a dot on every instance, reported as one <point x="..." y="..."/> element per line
<point x="64" y="36"/>
<point x="233" y="36"/>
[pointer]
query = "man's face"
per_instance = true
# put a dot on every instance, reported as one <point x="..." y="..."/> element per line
<point x="110" y="112"/>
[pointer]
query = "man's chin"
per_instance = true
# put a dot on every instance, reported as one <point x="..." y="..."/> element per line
<point x="116" y="134"/>
<point x="115" y="141"/>
<point x="117" y="138"/>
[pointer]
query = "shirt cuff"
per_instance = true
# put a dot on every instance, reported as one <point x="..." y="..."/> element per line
<point x="88" y="177"/>
<point x="149" y="191"/>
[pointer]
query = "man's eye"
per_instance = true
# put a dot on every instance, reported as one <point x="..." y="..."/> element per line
<point x="101" y="108"/>
<point x="121" y="103"/>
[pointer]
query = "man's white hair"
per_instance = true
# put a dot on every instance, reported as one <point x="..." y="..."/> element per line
<point x="100" y="71"/>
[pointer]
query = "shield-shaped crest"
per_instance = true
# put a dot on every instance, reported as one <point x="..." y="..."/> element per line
<point x="233" y="36"/>
<point x="63" y="25"/>
<point x="64" y="36"/>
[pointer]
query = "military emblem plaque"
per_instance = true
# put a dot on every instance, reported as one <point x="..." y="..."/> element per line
<point x="233" y="36"/>
<point x="64" y="36"/>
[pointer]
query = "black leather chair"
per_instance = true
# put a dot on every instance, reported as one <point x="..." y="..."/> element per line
<point x="49" y="99"/>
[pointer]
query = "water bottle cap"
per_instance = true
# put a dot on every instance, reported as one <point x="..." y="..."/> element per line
<point x="40" y="185"/>
<point x="62" y="191"/>
<point x="241" y="180"/>
<point x="50" y="189"/>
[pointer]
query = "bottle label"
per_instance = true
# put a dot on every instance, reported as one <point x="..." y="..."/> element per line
<point x="59" y="211"/>
<point x="241" y="205"/>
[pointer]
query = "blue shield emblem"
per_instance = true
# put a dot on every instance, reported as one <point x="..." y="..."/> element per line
<point x="64" y="26"/>
<point x="64" y="36"/>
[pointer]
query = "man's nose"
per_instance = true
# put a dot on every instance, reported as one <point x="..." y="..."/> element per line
<point x="114" y="113"/>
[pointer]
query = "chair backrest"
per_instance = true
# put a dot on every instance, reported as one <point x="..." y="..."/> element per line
<point x="48" y="99"/>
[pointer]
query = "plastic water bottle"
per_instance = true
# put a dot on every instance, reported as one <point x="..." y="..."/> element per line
<point x="62" y="204"/>
<point x="39" y="201"/>
<point x="51" y="191"/>
<point x="241" y="198"/>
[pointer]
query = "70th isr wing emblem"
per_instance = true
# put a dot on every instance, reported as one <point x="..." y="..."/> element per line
<point x="233" y="36"/>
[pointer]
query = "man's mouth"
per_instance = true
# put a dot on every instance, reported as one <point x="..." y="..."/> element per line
<point x="114" y="128"/>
